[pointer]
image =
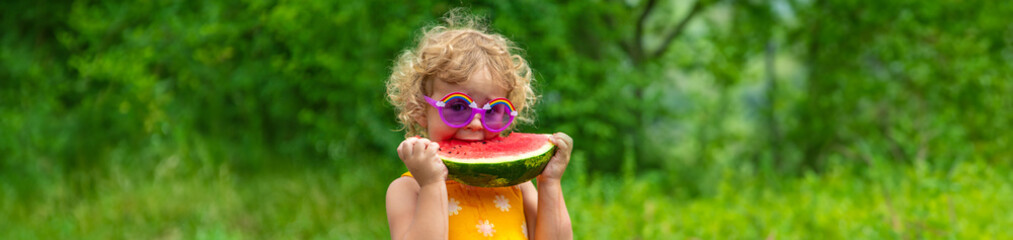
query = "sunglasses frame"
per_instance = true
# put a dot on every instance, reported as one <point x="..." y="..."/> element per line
<point x="440" y="105"/>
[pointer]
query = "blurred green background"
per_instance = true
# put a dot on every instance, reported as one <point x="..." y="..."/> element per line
<point x="261" y="119"/>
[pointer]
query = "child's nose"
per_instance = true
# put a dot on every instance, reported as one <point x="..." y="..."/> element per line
<point x="475" y="124"/>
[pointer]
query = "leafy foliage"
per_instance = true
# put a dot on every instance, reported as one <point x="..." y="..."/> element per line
<point x="672" y="100"/>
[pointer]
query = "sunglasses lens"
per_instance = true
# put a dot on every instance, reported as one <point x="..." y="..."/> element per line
<point x="498" y="117"/>
<point x="456" y="111"/>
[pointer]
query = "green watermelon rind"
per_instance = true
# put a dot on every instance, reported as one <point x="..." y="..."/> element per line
<point x="498" y="174"/>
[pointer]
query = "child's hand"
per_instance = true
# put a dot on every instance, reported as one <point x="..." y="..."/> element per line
<point x="419" y="155"/>
<point x="554" y="170"/>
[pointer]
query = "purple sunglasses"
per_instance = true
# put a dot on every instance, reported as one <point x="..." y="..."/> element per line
<point x="457" y="110"/>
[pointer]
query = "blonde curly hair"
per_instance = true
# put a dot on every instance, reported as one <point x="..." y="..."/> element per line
<point x="451" y="52"/>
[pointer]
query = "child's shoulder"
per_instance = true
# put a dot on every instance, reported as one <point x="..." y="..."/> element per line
<point x="403" y="184"/>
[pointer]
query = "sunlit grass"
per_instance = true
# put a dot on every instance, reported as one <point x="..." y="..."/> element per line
<point x="172" y="201"/>
<point x="844" y="203"/>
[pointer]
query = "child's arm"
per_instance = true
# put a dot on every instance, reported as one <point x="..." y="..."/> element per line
<point x="552" y="220"/>
<point x="417" y="207"/>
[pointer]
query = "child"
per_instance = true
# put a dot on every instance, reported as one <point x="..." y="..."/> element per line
<point x="462" y="57"/>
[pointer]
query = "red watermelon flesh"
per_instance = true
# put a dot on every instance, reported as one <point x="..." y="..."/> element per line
<point x="497" y="162"/>
<point x="513" y="145"/>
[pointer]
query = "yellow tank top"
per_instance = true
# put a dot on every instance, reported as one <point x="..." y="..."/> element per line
<point x="484" y="213"/>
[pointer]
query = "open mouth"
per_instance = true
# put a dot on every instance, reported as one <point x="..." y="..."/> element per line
<point x="468" y="139"/>
<point x="470" y="136"/>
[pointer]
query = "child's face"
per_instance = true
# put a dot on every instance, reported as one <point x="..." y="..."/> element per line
<point x="482" y="88"/>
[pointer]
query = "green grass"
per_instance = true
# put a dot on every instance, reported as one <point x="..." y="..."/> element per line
<point x="175" y="199"/>
<point x="912" y="202"/>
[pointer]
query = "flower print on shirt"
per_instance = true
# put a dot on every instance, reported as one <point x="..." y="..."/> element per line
<point x="502" y="203"/>
<point x="453" y="206"/>
<point x="524" y="229"/>
<point x="485" y="228"/>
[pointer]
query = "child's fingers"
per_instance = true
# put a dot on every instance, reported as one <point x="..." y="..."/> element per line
<point x="565" y="138"/>
<point x="562" y="141"/>
<point x="410" y="147"/>
<point x="406" y="148"/>
<point x="424" y="152"/>
<point x="564" y="156"/>
<point x="400" y="150"/>
<point x="565" y="145"/>
<point x="431" y="150"/>
<point x="419" y="147"/>
<point x="433" y="147"/>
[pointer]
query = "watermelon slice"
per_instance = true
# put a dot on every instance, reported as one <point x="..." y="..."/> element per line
<point x="498" y="162"/>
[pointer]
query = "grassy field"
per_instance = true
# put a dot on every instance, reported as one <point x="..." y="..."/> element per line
<point x="180" y="199"/>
